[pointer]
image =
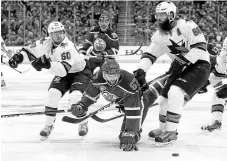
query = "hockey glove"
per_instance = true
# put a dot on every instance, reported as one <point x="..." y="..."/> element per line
<point x="128" y="141"/>
<point x="41" y="62"/>
<point x="222" y="92"/>
<point x="15" y="60"/>
<point x="101" y="55"/>
<point x="140" y="77"/>
<point x="78" y="110"/>
<point x="204" y="88"/>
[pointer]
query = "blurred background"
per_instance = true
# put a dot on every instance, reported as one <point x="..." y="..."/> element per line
<point x="23" y="22"/>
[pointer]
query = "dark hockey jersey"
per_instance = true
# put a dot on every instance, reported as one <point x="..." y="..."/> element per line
<point x="99" y="42"/>
<point x="124" y="92"/>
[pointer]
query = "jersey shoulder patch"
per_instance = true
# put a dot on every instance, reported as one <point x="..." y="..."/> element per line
<point x="128" y="81"/>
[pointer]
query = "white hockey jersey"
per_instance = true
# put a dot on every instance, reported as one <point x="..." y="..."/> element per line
<point x="64" y="58"/>
<point x="221" y="65"/>
<point x="186" y="35"/>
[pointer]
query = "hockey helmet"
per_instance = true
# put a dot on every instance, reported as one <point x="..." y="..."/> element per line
<point x="104" y="22"/>
<point x="56" y="27"/>
<point x="167" y="7"/>
<point x="111" y="70"/>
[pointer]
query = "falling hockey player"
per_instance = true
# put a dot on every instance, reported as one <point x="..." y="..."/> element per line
<point x="119" y="86"/>
<point x="57" y="54"/>
<point x="182" y="41"/>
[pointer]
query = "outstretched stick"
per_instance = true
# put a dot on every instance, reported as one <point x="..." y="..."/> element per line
<point x="32" y="113"/>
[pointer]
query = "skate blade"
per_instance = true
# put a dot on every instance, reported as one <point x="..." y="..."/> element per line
<point x="159" y="144"/>
<point x="43" y="138"/>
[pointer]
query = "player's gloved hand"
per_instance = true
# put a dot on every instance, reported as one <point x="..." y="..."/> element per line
<point x="78" y="110"/>
<point x="101" y="55"/>
<point x="15" y="60"/>
<point x="41" y="62"/>
<point x="204" y="88"/>
<point x="128" y="141"/>
<point x="140" y="76"/>
<point x="222" y="91"/>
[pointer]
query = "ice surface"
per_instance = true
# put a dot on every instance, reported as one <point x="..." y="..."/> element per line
<point x="21" y="141"/>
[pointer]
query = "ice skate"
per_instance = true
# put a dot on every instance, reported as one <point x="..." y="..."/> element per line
<point x="165" y="138"/>
<point x="154" y="133"/>
<point x="45" y="132"/>
<point x="216" y="125"/>
<point x="83" y="129"/>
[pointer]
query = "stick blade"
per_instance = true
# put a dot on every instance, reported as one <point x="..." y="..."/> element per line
<point x="72" y="120"/>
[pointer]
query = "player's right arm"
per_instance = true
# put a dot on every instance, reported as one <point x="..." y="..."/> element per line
<point x="149" y="56"/>
<point x="24" y="54"/>
<point x="90" y="96"/>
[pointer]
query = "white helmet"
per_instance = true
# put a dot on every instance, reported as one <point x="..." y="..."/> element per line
<point x="55" y="26"/>
<point x="168" y="8"/>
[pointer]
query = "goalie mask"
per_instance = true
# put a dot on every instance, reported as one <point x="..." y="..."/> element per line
<point x="104" y="22"/>
<point x="165" y="15"/>
<point x="57" y="32"/>
<point x="111" y="71"/>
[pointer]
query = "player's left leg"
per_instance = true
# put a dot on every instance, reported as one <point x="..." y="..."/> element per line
<point x="190" y="81"/>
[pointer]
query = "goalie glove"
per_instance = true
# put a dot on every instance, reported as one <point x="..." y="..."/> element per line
<point x="41" y="62"/>
<point x="140" y="77"/>
<point x="222" y="91"/>
<point x="15" y="60"/>
<point x="128" y="141"/>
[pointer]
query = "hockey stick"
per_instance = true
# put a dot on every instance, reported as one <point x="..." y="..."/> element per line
<point x="21" y="72"/>
<point x="136" y="50"/>
<point x="78" y="120"/>
<point x="98" y="119"/>
<point x="32" y="113"/>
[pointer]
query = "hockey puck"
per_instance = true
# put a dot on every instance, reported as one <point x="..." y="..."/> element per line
<point x="175" y="154"/>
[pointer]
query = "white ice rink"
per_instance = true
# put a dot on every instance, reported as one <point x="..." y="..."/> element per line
<point x="21" y="141"/>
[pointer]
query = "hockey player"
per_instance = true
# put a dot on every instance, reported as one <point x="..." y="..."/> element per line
<point x="182" y="41"/>
<point x="119" y="86"/>
<point x="100" y="41"/>
<point x="57" y="54"/>
<point x="218" y="73"/>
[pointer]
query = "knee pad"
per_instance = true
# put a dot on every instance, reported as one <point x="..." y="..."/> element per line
<point x="175" y="99"/>
<point x="53" y="98"/>
<point x="75" y="96"/>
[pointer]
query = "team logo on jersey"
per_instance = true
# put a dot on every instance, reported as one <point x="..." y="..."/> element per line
<point x="64" y="44"/>
<point x="109" y="96"/>
<point x="57" y="80"/>
<point x="177" y="48"/>
<point x="99" y="44"/>
<point x="42" y="41"/>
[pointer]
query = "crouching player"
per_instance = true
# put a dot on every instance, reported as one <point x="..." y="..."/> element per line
<point x="119" y="86"/>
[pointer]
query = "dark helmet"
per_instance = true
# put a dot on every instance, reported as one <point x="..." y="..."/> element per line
<point x="111" y="67"/>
